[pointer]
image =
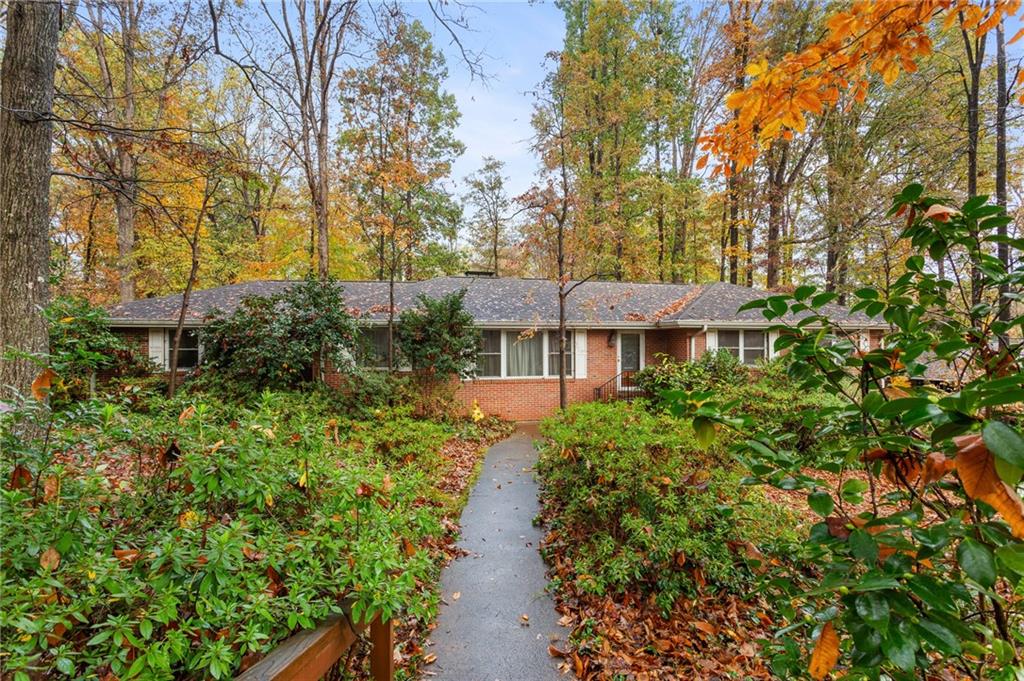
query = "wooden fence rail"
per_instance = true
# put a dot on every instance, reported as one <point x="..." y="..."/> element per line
<point x="310" y="654"/>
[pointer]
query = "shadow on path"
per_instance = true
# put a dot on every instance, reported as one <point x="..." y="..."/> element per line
<point x="482" y="635"/>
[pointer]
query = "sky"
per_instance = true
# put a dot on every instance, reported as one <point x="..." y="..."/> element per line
<point x="515" y="37"/>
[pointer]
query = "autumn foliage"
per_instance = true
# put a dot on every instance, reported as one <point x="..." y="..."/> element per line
<point x="883" y="37"/>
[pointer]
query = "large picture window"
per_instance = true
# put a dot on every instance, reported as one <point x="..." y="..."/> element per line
<point x="748" y="345"/>
<point x="522" y="354"/>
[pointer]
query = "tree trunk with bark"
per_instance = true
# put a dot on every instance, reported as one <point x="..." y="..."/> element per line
<point x="1002" y="100"/>
<point x="26" y="104"/>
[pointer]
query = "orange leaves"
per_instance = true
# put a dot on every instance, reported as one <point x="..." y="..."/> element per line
<point x="886" y="37"/>
<point x="42" y="383"/>
<point x="826" y="652"/>
<point x="976" y="467"/>
<point x="940" y="212"/>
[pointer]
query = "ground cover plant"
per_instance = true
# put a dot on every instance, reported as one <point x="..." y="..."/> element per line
<point x="915" y="567"/>
<point x="652" y="541"/>
<point x="184" y="538"/>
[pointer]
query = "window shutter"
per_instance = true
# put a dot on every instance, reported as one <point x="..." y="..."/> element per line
<point x="711" y="340"/>
<point x="579" y="353"/>
<point x="158" y="347"/>
<point x="772" y="337"/>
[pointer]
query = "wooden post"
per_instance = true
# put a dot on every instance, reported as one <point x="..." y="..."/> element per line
<point x="382" y="650"/>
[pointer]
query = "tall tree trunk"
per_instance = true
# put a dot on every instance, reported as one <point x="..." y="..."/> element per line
<point x="1002" y="95"/>
<point x="124" y="209"/>
<point x="172" y="379"/>
<point x="975" y="51"/>
<point x="26" y="103"/>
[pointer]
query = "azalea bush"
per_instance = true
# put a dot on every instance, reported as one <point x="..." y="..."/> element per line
<point x="713" y="369"/>
<point x="636" y="505"/>
<point x="187" y="539"/>
<point x="917" y="561"/>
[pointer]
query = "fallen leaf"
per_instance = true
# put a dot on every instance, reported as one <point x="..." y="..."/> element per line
<point x="126" y="556"/>
<point x="555" y="652"/>
<point x="429" y="658"/>
<point x="186" y="413"/>
<point x="826" y="653"/>
<point x="50" y="559"/>
<point x="20" y="477"/>
<point x="457" y="595"/>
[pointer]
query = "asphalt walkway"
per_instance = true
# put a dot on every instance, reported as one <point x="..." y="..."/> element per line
<point x="496" y="619"/>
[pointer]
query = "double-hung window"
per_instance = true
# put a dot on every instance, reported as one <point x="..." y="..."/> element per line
<point x="188" y="350"/>
<point x="748" y="345"/>
<point x="374" y="346"/>
<point x="522" y="354"/>
<point x="489" y="359"/>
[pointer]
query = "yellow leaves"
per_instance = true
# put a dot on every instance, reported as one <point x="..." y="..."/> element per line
<point x="42" y="383"/>
<point x="976" y="468"/>
<point x="268" y="499"/>
<point x="188" y="519"/>
<point x="826" y="653"/>
<point x="882" y="36"/>
<point x="476" y="413"/>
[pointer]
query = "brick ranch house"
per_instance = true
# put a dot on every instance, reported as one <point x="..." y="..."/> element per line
<point x="615" y="329"/>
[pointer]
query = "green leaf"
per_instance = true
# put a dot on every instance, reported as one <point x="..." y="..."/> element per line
<point x="900" y="646"/>
<point x="704" y="429"/>
<point x="852" y="490"/>
<point x="938" y="637"/>
<point x="821" y="503"/>
<point x="1012" y="556"/>
<point x="976" y="560"/>
<point x="803" y="292"/>
<point x="873" y="608"/>
<point x="1004" y="442"/>
<point x="863" y="546"/>
<point x="911" y="193"/>
<point x="1007" y="472"/>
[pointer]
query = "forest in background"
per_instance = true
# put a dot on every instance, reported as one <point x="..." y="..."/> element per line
<point x="201" y="144"/>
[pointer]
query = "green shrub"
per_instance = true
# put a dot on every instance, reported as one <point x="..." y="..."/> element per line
<point x="82" y="345"/>
<point x="638" y="505"/>
<point x="711" y="370"/>
<point x="272" y="341"/>
<point x="174" y="541"/>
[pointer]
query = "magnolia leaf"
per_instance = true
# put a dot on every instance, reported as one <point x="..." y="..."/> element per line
<point x="976" y="467"/>
<point x="186" y="413"/>
<point x="1004" y="442"/>
<point x="42" y="383"/>
<point x="826" y="652"/>
<point x="20" y="477"/>
<point x="976" y="560"/>
<point x="821" y="503"/>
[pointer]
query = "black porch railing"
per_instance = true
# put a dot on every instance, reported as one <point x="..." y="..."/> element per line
<point x="620" y="387"/>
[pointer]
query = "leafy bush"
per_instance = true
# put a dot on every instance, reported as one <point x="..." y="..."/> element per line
<point x="918" y="561"/>
<point x="440" y="341"/>
<point x="712" y="369"/>
<point x="272" y="341"/>
<point x="636" y="504"/>
<point x="82" y="345"/>
<point x="181" y="541"/>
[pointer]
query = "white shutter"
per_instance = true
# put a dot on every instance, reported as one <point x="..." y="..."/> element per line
<point x="710" y="340"/>
<point x="579" y="352"/>
<point x="158" y="347"/>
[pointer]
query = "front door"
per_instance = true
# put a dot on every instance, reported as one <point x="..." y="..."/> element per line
<point x="630" y="357"/>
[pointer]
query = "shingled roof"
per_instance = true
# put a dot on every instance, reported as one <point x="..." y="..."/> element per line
<point x="498" y="301"/>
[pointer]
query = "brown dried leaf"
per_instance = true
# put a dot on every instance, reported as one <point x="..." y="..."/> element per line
<point x="826" y="653"/>
<point x="49" y="560"/>
<point x="20" y="478"/>
<point x="976" y="468"/>
<point x="186" y="413"/>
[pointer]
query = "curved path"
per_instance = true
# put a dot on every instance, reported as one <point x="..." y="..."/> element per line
<point x="481" y="634"/>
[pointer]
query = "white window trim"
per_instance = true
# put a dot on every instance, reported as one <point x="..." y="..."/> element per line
<point x="168" y="347"/>
<point x="545" y="344"/>
<point x="766" y="348"/>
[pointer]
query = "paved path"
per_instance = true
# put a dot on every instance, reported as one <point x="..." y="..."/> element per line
<point x="481" y="635"/>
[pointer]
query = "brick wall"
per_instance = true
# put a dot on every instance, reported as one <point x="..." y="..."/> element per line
<point x="137" y="339"/>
